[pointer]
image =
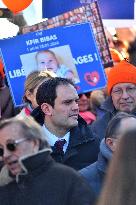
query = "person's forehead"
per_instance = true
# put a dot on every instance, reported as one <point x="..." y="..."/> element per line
<point x="123" y="85"/>
<point x="11" y="131"/>
<point x="46" y="55"/>
<point x="66" y="90"/>
<point x="127" y="123"/>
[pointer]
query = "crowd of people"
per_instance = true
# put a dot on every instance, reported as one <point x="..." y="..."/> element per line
<point x="65" y="148"/>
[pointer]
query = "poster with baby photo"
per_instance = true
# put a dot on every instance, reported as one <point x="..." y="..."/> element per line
<point x="68" y="51"/>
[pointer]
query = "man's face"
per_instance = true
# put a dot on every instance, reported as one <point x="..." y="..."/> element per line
<point x="124" y="97"/>
<point x="65" y="111"/>
<point x="47" y="60"/>
<point x="125" y="124"/>
<point x="10" y="133"/>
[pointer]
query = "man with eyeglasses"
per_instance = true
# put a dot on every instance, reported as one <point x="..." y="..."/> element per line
<point x="96" y="172"/>
<point x="121" y="86"/>
<point x="30" y="175"/>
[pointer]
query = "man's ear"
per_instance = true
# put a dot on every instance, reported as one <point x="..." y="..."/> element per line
<point x="46" y="108"/>
<point x="110" y="142"/>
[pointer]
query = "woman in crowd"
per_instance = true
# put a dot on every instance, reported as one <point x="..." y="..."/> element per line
<point x="33" y="81"/>
<point x="84" y="108"/>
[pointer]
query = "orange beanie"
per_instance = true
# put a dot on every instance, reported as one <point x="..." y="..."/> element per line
<point x="123" y="72"/>
<point x="1" y="69"/>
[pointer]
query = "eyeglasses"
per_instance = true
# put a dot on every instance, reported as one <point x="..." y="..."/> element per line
<point x="119" y="92"/>
<point x="11" y="145"/>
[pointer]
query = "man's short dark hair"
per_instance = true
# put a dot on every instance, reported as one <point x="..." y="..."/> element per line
<point x="46" y="92"/>
<point x="114" y="124"/>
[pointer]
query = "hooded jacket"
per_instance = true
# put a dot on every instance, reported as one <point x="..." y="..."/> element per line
<point x="95" y="173"/>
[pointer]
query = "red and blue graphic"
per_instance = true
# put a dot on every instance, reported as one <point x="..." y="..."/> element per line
<point x="92" y="78"/>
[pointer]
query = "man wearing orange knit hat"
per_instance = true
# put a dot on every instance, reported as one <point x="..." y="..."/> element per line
<point x="121" y="86"/>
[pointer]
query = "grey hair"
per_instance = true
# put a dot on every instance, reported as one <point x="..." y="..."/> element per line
<point x="29" y="128"/>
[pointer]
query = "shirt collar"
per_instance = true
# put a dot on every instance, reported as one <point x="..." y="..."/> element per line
<point x="53" y="138"/>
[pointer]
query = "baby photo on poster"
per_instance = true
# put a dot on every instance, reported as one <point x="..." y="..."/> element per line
<point x="58" y="60"/>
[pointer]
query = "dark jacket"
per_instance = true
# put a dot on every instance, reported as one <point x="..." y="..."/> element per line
<point x="46" y="182"/>
<point x="95" y="173"/>
<point x="100" y="125"/>
<point x="6" y="105"/>
<point x="83" y="147"/>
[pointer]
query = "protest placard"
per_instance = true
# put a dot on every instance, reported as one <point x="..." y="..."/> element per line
<point x="82" y="60"/>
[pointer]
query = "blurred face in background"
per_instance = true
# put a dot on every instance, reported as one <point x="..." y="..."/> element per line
<point x="84" y="102"/>
<point x="31" y="96"/>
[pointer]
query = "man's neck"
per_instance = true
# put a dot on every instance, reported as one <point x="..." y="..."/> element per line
<point x="58" y="132"/>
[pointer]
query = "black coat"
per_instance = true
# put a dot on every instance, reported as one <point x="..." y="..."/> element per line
<point x="83" y="148"/>
<point x="46" y="183"/>
<point x="6" y="105"/>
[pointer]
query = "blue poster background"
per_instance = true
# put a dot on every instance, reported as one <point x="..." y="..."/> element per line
<point x="51" y="8"/>
<point x="116" y="9"/>
<point x="82" y="44"/>
<point x="110" y="9"/>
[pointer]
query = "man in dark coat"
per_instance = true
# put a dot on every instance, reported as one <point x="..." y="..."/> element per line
<point x="121" y="87"/>
<point x="31" y="176"/>
<point x="95" y="173"/>
<point x="68" y="134"/>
